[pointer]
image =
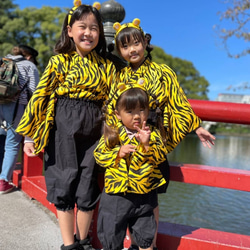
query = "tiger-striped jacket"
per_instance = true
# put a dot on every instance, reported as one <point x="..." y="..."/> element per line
<point x="65" y="75"/>
<point x="162" y="86"/>
<point x="137" y="173"/>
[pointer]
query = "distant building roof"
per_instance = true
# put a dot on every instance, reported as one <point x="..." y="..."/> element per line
<point x="236" y="98"/>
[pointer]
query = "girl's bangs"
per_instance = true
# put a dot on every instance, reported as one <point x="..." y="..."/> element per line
<point x="131" y="98"/>
<point x="126" y="34"/>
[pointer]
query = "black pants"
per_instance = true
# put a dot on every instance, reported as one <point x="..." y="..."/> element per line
<point x="117" y="212"/>
<point x="70" y="168"/>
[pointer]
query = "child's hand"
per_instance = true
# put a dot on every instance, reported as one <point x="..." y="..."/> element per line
<point x="143" y="134"/>
<point x="126" y="150"/>
<point x="205" y="137"/>
<point x="29" y="149"/>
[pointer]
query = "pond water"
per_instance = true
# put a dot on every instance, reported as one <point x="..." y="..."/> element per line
<point x="209" y="207"/>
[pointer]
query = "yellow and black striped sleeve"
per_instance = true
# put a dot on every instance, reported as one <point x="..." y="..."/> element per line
<point x="40" y="109"/>
<point x="106" y="157"/>
<point x="65" y="75"/>
<point x="179" y="117"/>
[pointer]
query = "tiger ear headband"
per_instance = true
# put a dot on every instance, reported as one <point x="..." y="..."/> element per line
<point x="120" y="89"/>
<point x="77" y="3"/>
<point x="135" y="24"/>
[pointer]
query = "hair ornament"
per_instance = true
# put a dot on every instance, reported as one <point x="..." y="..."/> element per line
<point x="141" y="81"/>
<point x="116" y="26"/>
<point x="135" y="24"/>
<point x="122" y="87"/>
<point x="78" y="3"/>
<point x="97" y="5"/>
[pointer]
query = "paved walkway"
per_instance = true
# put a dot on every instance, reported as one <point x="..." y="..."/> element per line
<point x="26" y="224"/>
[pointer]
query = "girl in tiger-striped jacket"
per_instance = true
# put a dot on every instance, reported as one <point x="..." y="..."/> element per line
<point x="64" y="118"/>
<point x="167" y="100"/>
<point x="130" y="154"/>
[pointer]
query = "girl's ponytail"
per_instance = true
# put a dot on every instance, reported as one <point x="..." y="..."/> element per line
<point x="159" y="125"/>
<point x="110" y="133"/>
<point x="149" y="47"/>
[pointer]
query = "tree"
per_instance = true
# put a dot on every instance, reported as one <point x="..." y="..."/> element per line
<point x="6" y="8"/>
<point x="41" y="28"/>
<point x="38" y="28"/>
<point x="237" y="14"/>
<point x="6" y="14"/>
<point x="194" y="85"/>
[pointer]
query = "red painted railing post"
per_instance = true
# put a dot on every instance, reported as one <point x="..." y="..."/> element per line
<point x="33" y="166"/>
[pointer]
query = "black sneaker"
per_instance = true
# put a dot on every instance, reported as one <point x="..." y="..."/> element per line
<point x="133" y="247"/>
<point x="85" y="244"/>
<point x="74" y="246"/>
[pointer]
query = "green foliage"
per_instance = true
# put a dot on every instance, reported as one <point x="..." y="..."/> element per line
<point x="38" y="28"/>
<point x="194" y="85"/>
<point x="41" y="28"/>
<point x="229" y="128"/>
<point x="6" y="8"/>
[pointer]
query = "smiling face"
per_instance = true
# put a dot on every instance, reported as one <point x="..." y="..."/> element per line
<point x="133" y="52"/>
<point x="85" y="33"/>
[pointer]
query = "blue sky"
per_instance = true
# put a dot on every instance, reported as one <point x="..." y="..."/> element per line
<point x="184" y="29"/>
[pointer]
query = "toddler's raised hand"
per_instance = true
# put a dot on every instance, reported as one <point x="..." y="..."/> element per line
<point x="143" y="134"/>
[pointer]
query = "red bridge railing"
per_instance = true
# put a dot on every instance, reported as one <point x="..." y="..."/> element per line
<point x="222" y="111"/>
<point x="170" y="236"/>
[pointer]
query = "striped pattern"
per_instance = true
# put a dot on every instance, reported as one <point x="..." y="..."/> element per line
<point x="162" y="86"/>
<point x="65" y="75"/>
<point x="27" y="73"/>
<point x="137" y="173"/>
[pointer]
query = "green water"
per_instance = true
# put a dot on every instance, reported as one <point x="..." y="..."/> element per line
<point x="209" y="207"/>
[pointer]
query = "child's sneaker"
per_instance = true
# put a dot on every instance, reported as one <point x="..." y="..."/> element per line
<point x="133" y="247"/>
<point x="85" y="244"/>
<point x="74" y="246"/>
<point x="5" y="187"/>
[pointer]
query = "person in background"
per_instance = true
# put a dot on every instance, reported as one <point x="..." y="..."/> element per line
<point x="2" y="144"/>
<point x="63" y="117"/>
<point x="11" y="113"/>
<point x="167" y="100"/>
<point x="29" y="53"/>
<point x="130" y="155"/>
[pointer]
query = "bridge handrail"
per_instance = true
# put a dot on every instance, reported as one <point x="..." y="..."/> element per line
<point x="31" y="180"/>
<point x="226" y="112"/>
